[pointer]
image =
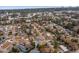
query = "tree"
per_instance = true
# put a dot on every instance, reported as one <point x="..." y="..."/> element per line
<point x="56" y="45"/>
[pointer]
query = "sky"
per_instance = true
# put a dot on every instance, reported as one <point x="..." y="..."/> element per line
<point x="20" y="4"/>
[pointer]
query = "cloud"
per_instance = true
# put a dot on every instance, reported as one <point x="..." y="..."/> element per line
<point x="39" y="3"/>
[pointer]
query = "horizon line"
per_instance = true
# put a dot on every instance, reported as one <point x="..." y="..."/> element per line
<point x="30" y="7"/>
